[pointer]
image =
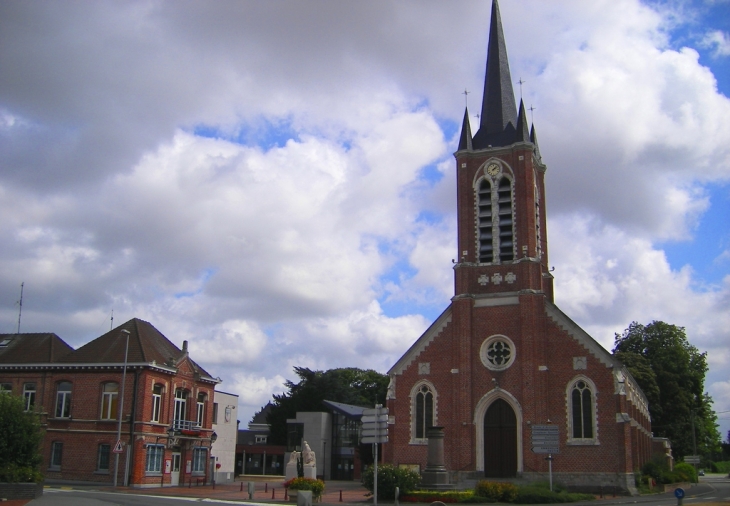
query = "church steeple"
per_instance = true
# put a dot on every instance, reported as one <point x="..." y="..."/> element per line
<point x="499" y="114"/>
<point x="465" y="139"/>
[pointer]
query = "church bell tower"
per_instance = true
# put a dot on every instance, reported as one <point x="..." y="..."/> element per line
<point x="502" y="236"/>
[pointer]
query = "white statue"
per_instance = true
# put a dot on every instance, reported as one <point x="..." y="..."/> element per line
<point x="293" y="458"/>
<point x="308" y="456"/>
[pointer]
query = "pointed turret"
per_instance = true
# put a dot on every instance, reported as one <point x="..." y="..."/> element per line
<point x="499" y="114"/>
<point x="533" y="140"/>
<point x="522" y="134"/>
<point x="465" y="139"/>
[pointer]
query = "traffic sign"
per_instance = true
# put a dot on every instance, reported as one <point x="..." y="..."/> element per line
<point x="692" y="459"/>
<point x="371" y="430"/>
<point x="679" y="493"/>
<point x="545" y="449"/>
<point x="374" y="418"/>
<point x="545" y="429"/>
<point x="375" y="411"/>
<point x="118" y="447"/>
<point x="374" y="439"/>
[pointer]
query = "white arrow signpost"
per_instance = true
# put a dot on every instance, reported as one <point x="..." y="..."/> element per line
<point x="375" y="430"/>
<point x="546" y="439"/>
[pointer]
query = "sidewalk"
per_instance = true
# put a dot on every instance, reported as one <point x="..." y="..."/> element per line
<point x="266" y="491"/>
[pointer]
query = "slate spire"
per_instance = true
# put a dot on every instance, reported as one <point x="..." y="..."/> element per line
<point x="465" y="138"/>
<point x="533" y="139"/>
<point x="499" y="114"/>
<point x="522" y="133"/>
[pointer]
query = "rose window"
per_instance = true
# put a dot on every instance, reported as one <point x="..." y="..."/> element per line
<point x="497" y="353"/>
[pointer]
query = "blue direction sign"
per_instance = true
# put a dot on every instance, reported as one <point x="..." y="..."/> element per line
<point x="679" y="493"/>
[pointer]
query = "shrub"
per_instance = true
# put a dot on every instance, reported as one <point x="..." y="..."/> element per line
<point x="720" y="467"/>
<point x="389" y="477"/>
<point x="12" y="473"/>
<point x="20" y="438"/>
<point x="496" y="491"/>
<point x="538" y="494"/>
<point x="686" y="472"/>
<point x="316" y="486"/>
<point x="429" y="496"/>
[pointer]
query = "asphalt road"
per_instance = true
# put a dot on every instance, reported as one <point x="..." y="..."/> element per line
<point x="713" y="489"/>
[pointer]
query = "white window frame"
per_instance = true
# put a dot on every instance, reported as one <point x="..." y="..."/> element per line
<point x="181" y="405"/>
<point x="63" y="400"/>
<point x="200" y="459"/>
<point x="154" y="456"/>
<point x="109" y="401"/>
<point x="156" y="402"/>
<point x="29" y="391"/>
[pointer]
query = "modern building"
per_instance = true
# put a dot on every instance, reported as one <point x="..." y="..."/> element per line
<point x="509" y="377"/>
<point x="225" y="426"/>
<point x="164" y="397"/>
<point x="255" y="455"/>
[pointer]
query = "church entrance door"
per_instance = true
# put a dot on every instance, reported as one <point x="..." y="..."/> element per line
<point x="500" y="441"/>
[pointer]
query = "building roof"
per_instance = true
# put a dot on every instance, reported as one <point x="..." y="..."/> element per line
<point x="350" y="411"/>
<point x="32" y="348"/>
<point x="146" y="345"/>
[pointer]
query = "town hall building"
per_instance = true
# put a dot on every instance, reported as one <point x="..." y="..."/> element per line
<point x="503" y="358"/>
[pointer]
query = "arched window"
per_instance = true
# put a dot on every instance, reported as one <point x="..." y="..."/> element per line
<point x="495" y="220"/>
<point x="181" y="399"/>
<point x="506" y="229"/>
<point x="109" y="400"/>
<point x="63" y="400"/>
<point x="423" y="398"/>
<point x="200" y="411"/>
<point x="486" y="246"/>
<point x="156" y="402"/>
<point x="582" y="411"/>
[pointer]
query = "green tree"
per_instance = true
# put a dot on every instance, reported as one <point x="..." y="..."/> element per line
<point x="347" y="385"/>
<point x="671" y="372"/>
<point x="20" y="439"/>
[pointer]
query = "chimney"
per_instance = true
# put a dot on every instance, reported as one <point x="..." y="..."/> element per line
<point x="185" y="347"/>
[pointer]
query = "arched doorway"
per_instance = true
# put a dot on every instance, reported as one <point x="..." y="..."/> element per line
<point x="500" y="441"/>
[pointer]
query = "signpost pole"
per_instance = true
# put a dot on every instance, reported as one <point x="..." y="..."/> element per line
<point x="550" y="470"/>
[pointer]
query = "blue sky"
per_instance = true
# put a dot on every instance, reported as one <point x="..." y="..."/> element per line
<point x="276" y="185"/>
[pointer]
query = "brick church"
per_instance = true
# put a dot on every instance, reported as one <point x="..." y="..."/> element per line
<point x="503" y="357"/>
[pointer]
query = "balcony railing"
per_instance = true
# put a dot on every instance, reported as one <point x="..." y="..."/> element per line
<point x="192" y="425"/>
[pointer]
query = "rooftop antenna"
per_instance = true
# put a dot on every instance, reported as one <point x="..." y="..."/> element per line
<point x="20" y="305"/>
<point x="111" y="325"/>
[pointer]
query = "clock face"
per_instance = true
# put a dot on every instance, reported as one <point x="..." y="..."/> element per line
<point x="493" y="169"/>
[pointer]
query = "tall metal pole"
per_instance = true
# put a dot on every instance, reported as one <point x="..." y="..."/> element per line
<point x="121" y="406"/>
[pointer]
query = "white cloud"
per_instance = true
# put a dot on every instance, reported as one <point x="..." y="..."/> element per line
<point x="282" y="245"/>
<point x="718" y="41"/>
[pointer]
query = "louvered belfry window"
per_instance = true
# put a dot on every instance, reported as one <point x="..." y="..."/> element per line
<point x="495" y="221"/>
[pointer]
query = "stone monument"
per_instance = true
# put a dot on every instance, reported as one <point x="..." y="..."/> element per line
<point x="435" y="476"/>
<point x="291" y="466"/>
<point x="310" y="462"/>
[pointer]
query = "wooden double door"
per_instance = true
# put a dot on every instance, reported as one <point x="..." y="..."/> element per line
<point x="500" y="441"/>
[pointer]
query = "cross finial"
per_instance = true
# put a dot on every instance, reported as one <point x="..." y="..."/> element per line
<point x="466" y="97"/>
<point x="532" y="115"/>
<point x="521" y="83"/>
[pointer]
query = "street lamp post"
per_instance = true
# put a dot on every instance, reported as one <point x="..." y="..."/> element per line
<point x="121" y="405"/>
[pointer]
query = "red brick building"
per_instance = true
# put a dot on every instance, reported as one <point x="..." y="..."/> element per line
<point x="503" y="358"/>
<point x="167" y="405"/>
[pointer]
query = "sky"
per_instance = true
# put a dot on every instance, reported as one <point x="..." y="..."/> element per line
<point x="275" y="183"/>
